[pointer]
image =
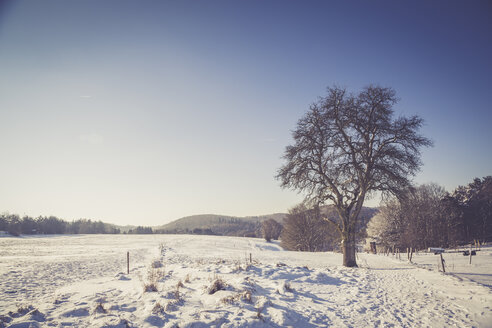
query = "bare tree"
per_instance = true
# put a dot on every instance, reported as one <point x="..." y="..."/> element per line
<point x="305" y="230"/>
<point x="386" y="227"/>
<point x="271" y="229"/>
<point x="422" y="210"/>
<point x="418" y="219"/>
<point x="348" y="146"/>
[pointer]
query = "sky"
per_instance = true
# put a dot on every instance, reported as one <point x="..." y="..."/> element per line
<point x="142" y="112"/>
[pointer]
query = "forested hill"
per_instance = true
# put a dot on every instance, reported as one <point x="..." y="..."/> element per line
<point x="213" y="224"/>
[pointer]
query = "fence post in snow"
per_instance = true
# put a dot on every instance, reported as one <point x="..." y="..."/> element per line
<point x="470" y="252"/>
<point x="442" y="263"/>
<point x="128" y="262"/>
<point x="250" y="258"/>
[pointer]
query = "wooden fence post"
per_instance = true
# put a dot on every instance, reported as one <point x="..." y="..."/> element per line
<point x="442" y="263"/>
<point x="470" y="252"/>
<point x="128" y="262"/>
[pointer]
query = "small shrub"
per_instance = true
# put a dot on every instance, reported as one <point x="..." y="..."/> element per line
<point x="150" y="287"/>
<point x="100" y="308"/>
<point x="248" y="281"/>
<point x="25" y="309"/>
<point x="21" y="310"/>
<point x="177" y="294"/>
<point x="153" y="277"/>
<point x="237" y="267"/>
<point x="231" y="299"/>
<point x="244" y="296"/>
<point x="180" y="284"/>
<point x="173" y="295"/>
<point x="187" y="278"/>
<point x="155" y="274"/>
<point x="288" y="287"/>
<point x="158" y="308"/>
<point x="217" y="284"/>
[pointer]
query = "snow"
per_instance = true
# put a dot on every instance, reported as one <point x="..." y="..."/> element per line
<point x="480" y="270"/>
<point x="208" y="281"/>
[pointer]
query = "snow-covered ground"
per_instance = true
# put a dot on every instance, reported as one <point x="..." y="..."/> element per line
<point x="480" y="269"/>
<point x="208" y="281"/>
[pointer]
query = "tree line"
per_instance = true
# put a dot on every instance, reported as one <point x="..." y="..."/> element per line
<point x="16" y="225"/>
<point x="428" y="216"/>
<point x="26" y="225"/>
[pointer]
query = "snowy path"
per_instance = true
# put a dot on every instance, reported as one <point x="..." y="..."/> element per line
<point x="279" y="289"/>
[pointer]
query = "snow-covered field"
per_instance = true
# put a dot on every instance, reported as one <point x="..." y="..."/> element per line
<point x="208" y="281"/>
<point x="480" y="269"/>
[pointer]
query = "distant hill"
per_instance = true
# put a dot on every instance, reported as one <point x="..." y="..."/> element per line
<point x="250" y="226"/>
<point x="213" y="224"/>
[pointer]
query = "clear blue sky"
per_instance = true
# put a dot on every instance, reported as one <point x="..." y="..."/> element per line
<point x="146" y="111"/>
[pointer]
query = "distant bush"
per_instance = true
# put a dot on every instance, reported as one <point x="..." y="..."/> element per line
<point x="271" y="229"/>
<point x="305" y="230"/>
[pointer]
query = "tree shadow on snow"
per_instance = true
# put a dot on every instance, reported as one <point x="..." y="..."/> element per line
<point x="473" y="274"/>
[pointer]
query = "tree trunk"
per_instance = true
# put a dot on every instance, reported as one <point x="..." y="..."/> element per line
<point x="348" y="247"/>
